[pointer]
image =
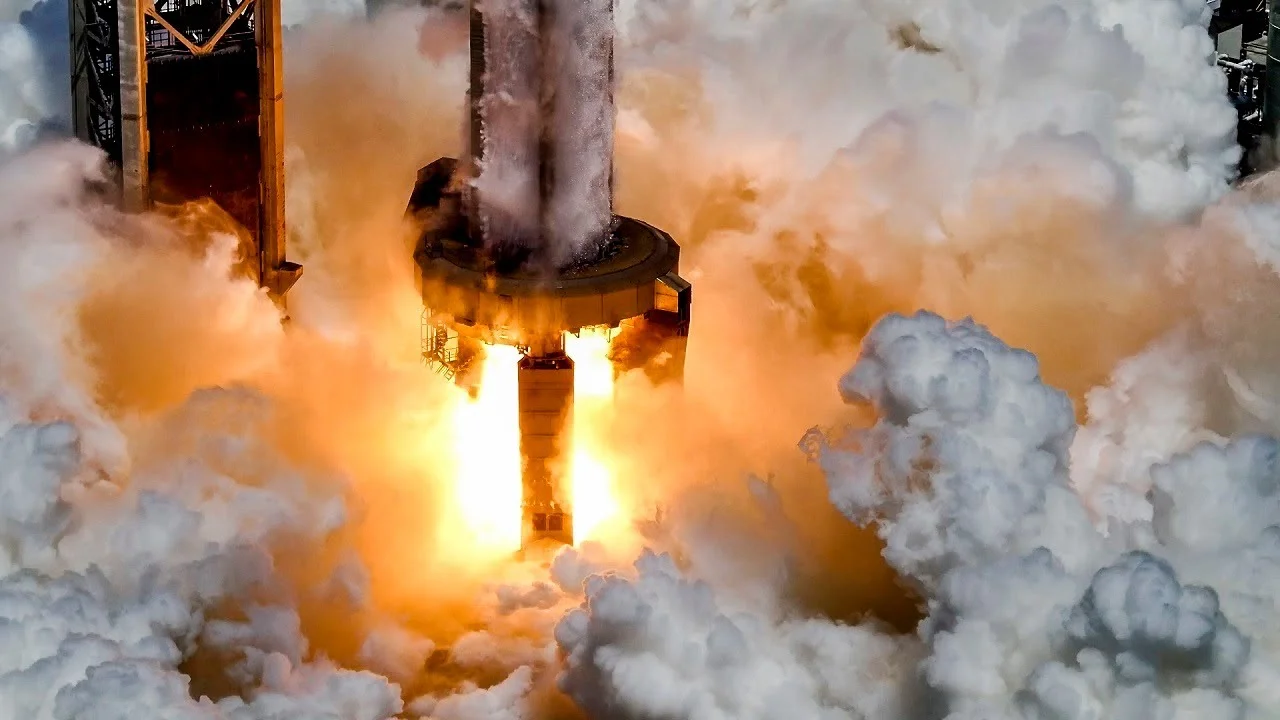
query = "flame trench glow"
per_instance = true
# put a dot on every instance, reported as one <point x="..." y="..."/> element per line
<point x="487" y="489"/>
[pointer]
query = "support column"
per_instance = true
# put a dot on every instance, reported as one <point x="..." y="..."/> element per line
<point x="134" y="151"/>
<point x="276" y="273"/>
<point x="546" y="408"/>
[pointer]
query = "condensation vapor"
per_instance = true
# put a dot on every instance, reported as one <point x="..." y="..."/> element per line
<point x="581" y="77"/>
<point x="508" y="183"/>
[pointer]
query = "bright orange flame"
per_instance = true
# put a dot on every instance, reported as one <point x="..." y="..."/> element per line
<point x="487" y="493"/>
<point x="487" y="490"/>
<point x="594" y="501"/>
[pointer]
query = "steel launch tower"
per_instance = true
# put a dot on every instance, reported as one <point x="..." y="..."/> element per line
<point x="185" y="97"/>
<point x="537" y="252"/>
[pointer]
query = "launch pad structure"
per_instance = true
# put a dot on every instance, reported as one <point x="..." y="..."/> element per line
<point x="186" y="99"/>
<point x="480" y="285"/>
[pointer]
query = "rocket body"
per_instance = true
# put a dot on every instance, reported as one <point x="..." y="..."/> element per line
<point x="541" y="124"/>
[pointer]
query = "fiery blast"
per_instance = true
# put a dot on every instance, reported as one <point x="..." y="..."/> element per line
<point x="487" y="440"/>
<point x="486" y="445"/>
<point x="1065" y="506"/>
<point x="595" y="507"/>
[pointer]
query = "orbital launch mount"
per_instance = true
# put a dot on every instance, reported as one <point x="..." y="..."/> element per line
<point x="517" y="242"/>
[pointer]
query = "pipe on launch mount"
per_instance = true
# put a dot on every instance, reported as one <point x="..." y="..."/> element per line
<point x="1271" y="92"/>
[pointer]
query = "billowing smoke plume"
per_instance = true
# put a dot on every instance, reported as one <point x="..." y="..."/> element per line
<point x="129" y="549"/>
<point x="202" y="515"/>
<point x="1031" y="611"/>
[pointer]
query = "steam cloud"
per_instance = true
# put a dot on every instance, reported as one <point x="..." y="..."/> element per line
<point x="1073" y="465"/>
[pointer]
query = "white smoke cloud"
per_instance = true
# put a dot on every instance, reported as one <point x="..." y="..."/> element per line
<point x="1031" y="611"/>
<point x="294" y="13"/>
<point x="942" y="91"/>
<point x="969" y="460"/>
<point x="1136" y="632"/>
<point x="504" y="701"/>
<point x="126" y="549"/>
<point x="1153" y="408"/>
<point x="663" y="645"/>
<point x="125" y="583"/>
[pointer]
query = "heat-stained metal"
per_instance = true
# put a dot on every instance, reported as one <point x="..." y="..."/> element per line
<point x="185" y="97"/>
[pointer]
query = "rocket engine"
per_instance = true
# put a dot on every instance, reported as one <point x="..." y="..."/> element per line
<point x="517" y="242"/>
